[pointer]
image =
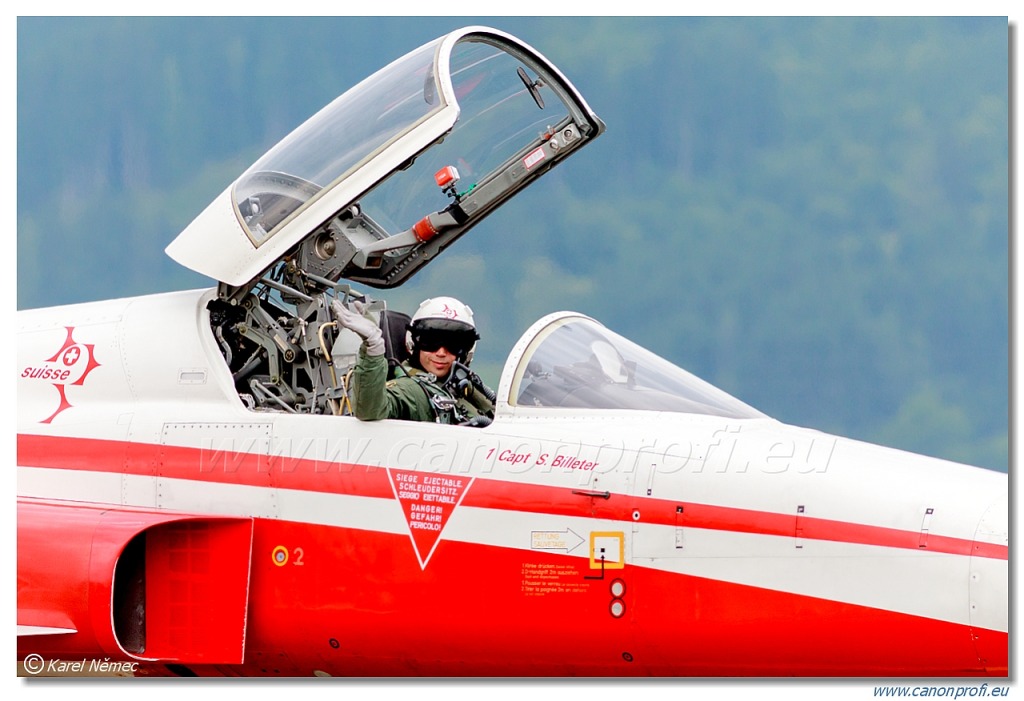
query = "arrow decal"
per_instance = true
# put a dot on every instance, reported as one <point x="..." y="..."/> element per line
<point x="565" y="540"/>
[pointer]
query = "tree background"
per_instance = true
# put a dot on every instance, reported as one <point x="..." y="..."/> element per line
<point x="811" y="213"/>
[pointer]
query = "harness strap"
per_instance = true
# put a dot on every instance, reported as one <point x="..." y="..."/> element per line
<point x="440" y="401"/>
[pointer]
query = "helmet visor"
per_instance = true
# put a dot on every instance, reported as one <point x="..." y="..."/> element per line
<point x="457" y="342"/>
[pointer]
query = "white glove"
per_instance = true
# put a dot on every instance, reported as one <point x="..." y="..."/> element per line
<point x="367" y="329"/>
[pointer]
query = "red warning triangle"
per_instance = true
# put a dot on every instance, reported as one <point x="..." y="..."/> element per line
<point x="428" y="500"/>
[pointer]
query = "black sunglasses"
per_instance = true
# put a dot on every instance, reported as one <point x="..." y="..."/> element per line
<point x="457" y="343"/>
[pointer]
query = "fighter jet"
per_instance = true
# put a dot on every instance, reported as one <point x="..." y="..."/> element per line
<point x="196" y="497"/>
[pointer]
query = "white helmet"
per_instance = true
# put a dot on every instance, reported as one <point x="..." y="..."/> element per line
<point x="442" y="321"/>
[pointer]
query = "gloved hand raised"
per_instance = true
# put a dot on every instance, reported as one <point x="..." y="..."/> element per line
<point x="366" y="328"/>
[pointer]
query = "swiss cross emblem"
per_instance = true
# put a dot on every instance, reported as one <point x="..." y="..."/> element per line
<point x="69" y="366"/>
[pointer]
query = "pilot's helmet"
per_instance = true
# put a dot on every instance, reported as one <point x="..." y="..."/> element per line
<point x="442" y="321"/>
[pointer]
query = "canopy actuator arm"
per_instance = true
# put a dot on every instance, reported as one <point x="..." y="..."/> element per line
<point x="422" y="231"/>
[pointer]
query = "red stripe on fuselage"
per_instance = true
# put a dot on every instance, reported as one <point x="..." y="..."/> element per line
<point x="360" y="605"/>
<point x="370" y="481"/>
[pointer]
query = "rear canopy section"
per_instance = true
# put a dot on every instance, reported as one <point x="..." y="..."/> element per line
<point x="570" y="361"/>
<point x="396" y="169"/>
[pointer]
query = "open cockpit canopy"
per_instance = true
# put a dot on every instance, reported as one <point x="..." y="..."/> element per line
<point x="394" y="170"/>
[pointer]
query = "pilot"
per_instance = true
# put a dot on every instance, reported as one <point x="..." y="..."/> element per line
<point x="435" y="384"/>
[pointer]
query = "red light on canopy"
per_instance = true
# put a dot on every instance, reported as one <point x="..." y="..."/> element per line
<point x="446" y="176"/>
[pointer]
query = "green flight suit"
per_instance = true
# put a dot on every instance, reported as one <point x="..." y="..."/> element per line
<point x="412" y="396"/>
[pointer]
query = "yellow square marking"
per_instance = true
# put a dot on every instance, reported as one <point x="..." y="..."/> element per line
<point x="609" y="545"/>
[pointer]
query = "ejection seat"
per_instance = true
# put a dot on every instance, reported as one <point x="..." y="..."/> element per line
<point x="393" y="324"/>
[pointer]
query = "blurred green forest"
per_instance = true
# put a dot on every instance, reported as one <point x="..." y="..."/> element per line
<point x="811" y="213"/>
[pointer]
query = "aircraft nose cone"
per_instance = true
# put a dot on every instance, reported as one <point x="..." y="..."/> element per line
<point x="989" y="588"/>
